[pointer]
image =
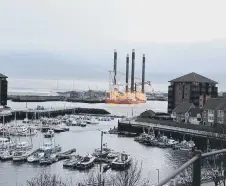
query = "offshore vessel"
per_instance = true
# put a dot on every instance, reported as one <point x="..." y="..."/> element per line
<point x="130" y="93"/>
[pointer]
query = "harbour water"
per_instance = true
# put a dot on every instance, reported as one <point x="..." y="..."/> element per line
<point x="85" y="140"/>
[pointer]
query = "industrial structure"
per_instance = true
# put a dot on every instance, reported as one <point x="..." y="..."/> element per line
<point x="192" y="88"/>
<point x="3" y="90"/>
<point x="123" y="92"/>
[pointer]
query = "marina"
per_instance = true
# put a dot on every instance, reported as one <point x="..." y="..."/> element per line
<point x="117" y="153"/>
<point x="84" y="146"/>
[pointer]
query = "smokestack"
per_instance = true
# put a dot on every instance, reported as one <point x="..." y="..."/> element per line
<point x="115" y="66"/>
<point x="143" y="72"/>
<point x="132" y="72"/>
<point x="127" y="73"/>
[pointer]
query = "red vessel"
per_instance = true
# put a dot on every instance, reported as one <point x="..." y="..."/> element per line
<point x="123" y="101"/>
<point x="126" y="93"/>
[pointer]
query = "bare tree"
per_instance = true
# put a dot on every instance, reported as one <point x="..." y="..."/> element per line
<point x="46" y="179"/>
<point x="130" y="177"/>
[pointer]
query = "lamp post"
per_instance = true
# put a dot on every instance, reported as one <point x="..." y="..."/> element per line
<point x="158" y="174"/>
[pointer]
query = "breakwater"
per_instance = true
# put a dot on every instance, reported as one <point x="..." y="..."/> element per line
<point x="33" y="113"/>
<point x="85" y="100"/>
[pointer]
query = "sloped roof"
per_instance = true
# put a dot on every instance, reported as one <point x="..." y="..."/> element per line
<point x="193" y="77"/>
<point x="183" y="107"/>
<point x="194" y="111"/>
<point x="147" y="113"/>
<point x="215" y="104"/>
<point x="3" y="76"/>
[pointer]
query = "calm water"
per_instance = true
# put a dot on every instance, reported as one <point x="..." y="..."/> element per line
<point x="86" y="139"/>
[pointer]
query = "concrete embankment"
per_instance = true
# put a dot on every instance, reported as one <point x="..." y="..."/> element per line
<point x="31" y="98"/>
<point x="85" y="100"/>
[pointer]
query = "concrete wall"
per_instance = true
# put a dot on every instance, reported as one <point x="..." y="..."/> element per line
<point x="178" y="95"/>
<point x="0" y="91"/>
<point x="187" y="92"/>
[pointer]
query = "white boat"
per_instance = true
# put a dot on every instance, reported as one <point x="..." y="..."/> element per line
<point x="92" y="121"/>
<point x="49" y="134"/>
<point x="81" y="123"/>
<point x="24" y="146"/>
<point x="74" y="123"/>
<point x="58" y="128"/>
<point x="7" y="155"/>
<point x="72" y="162"/>
<point x="26" y="120"/>
<point x="21" y="155"/>
<point x="50" y="146"/>
<point x="112" y="155"/>
<point x="48" y="158"/>
<point x="172" y="142"/>
<point x="35" y="157"/>
<point x="121" y="162"/>
<point x="86" y="162"/>
<point x="4" y="143"/>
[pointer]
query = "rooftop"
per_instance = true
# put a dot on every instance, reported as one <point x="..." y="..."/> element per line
<point x="193" y="77"/>
<point x="215" y="103"/>
<point x="194" y="111"/>
<point x="183" y="107"/>
<point x="3" y="76"/>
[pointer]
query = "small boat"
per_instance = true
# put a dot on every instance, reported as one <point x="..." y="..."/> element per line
<point x="122" y="162"/>
<point x="50" y="146"/>
<point x="172" y="142"/>
<point x="48" y="158"/>
<point x="21" y="155"/>
<point x="35" y="157"/>
<point x="105" y="151"/>
<point x="92" y="121"/>
<point x="7" y="155"/>
<point x="24" y="146"/>
<point x="49" y="134"/>
<point x="86" y="162"/>
<point x="188" y="146"/>
<point x="58" y="129"/>
<point x="64" y="127"/>
<point x="83" y="124"/>
<point x="74" y="123"/>
<point x="26" y="120"/>
<point x="72" y="162"/>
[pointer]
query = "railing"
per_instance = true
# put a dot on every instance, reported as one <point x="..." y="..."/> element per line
<point x="196" y="162"/>
<point x="178" y="129"/>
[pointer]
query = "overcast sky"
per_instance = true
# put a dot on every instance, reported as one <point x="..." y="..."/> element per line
<point x="75" y="39"/>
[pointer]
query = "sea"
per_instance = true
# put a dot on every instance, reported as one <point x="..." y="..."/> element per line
<point x="85" y="140"/>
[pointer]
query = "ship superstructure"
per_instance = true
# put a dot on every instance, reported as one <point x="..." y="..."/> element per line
<point x="121" y="91"/>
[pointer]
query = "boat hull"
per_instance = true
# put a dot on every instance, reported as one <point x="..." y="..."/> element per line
<point x="124" y="101"/>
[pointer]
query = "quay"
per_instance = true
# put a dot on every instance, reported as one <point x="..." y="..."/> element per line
<point x="198" y="133"/>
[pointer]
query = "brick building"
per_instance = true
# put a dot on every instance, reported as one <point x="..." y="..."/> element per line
<point x="192" y="88"/>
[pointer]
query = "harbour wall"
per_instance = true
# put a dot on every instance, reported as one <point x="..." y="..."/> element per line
<point x="32" y="114"/>
<point x="199" y="134"/>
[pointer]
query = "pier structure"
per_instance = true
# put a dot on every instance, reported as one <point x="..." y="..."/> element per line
<point x="200" y="135"/>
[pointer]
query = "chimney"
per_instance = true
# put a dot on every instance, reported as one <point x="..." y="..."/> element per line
<point x="132" y="71"/>
<point x="143" y="72"/>
<point x="127" y="73"/>
<point x="115" y="66"/>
